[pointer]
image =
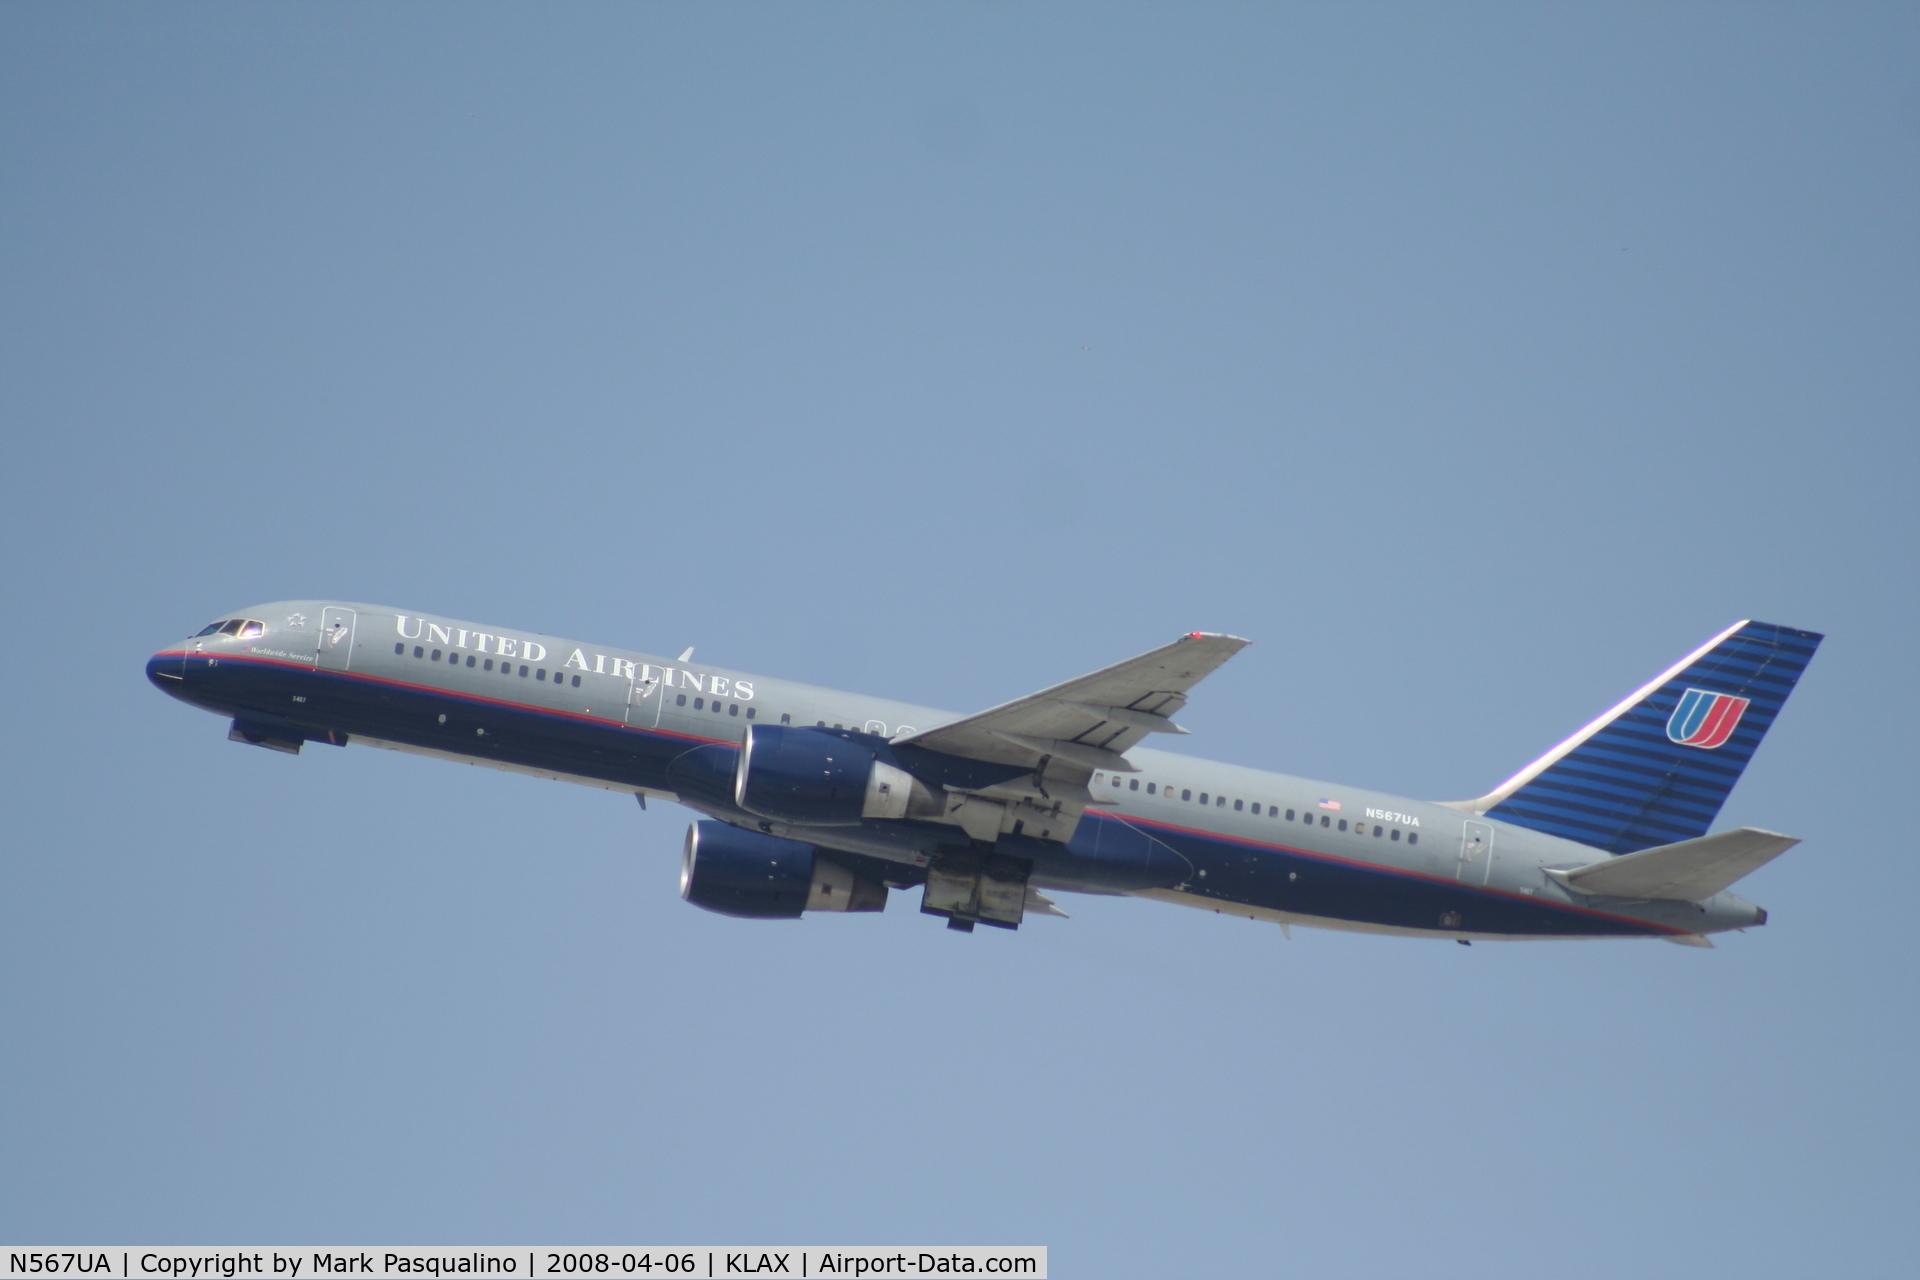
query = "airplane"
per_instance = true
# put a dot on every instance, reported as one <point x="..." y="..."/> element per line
<point x="815" y="800"/>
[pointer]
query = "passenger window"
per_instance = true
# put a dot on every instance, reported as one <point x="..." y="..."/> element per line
<point x="1377" y="831"/>
<point x="1324" y="820"/>
<point x="436" y="655"/>
<point x="470" y="660"/>
<point x="523" y="671"/>
<point x="1185" y="794"/>
<point x="820" y="724"/>
<point x="1396" y="833"/>
<point x="1220" y="802"/>
<point x="786" y="717"/>
<point x="1203" y="797"/>
<point x="680" y="700"/>
<point x="1133" y="784"/>
<point x="400" y="649"/>
<point x="1238" y="803"/>
<point x="418" y="652"/>
<point x="488" y="665"/>
<point x="1116" y="781"/>
<point x="541" y="674"/>
<point x="699" y="704"/>
<point x="1289" y="815"/>
<point x="1413" y="837"/>
<point x="750" y="711"/>
<point x="716" y="706"/>
<point x="1149" y="788"/>
<point x="576" y="679"/>
<point x="1343" y="824"/>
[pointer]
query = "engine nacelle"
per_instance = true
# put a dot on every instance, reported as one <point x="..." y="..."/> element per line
<point x="813" y="778"/>
<point x="762" y="877"/>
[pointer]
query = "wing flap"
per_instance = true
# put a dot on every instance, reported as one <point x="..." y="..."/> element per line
<point x="1040" y="904"/>
<point x="1689" y="871"/>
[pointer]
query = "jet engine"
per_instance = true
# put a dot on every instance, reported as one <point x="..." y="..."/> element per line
<point x="818" y="778"/>
<point x="762" y="877"/>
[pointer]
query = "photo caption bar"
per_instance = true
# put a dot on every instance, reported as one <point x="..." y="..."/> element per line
<point x="523" y="1262"/>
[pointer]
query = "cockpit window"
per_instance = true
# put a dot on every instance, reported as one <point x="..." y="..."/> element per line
<point x="239" y="628"/>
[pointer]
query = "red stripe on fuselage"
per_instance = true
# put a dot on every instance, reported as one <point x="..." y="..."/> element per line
<point x="455" y="694"/>
<point x="1385" y="869"/>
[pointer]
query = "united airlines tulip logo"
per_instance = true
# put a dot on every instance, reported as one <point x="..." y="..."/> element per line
<point x="1705" y="719"/>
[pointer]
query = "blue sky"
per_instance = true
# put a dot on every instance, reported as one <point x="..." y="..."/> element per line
<point x="1476" y="361"/>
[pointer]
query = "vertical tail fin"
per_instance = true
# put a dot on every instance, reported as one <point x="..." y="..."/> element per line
<point x="1657" y="767"/>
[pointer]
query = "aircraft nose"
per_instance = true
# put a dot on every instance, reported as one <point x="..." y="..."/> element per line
<point x="167" y="669"/>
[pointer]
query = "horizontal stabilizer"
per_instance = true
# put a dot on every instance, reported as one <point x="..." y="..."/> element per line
<point x="1689" y="871"/>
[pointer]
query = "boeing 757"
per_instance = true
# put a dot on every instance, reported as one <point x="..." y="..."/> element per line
<point x="816" y="800"/>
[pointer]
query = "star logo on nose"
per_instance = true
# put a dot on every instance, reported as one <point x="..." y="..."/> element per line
<point x="296" y="619"/>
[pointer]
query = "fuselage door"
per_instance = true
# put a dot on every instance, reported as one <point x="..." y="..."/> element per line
<point x="609" y="694"/>
<point x="1476" y="853"/>
<point x="644" y="699"/>
<point x="336" y="638"/>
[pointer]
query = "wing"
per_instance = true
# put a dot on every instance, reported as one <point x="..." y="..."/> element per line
<point x="1060" y="736"/>
<point x="1092" y="721"/>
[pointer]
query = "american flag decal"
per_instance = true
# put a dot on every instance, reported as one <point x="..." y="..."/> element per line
<point x="1330" y="804"/>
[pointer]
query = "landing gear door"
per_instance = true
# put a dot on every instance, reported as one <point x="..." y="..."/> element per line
<point x="1476" y="853"/>
<point x="336" y="638"/>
